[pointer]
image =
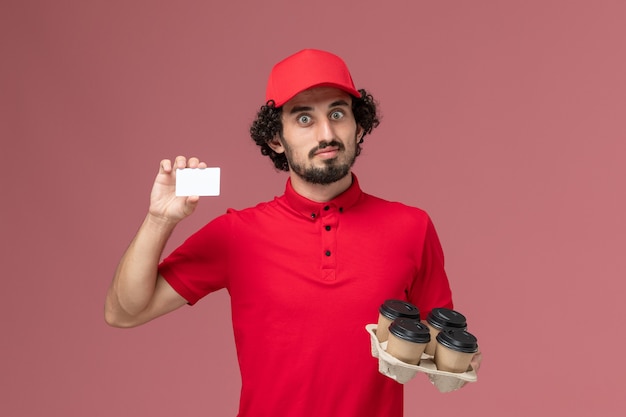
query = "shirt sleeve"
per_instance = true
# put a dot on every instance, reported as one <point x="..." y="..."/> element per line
<point x="431" y="288"/>
<point x="200" y="265"/>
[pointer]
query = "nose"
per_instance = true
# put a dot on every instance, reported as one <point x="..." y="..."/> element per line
<point x="325" y="131"/>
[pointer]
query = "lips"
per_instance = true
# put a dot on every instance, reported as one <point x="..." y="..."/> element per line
<point x="327" y="150"/>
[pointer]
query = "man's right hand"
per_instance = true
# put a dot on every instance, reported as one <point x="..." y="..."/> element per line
<point x="138" y="293"/>
<point x="165" y="206"/>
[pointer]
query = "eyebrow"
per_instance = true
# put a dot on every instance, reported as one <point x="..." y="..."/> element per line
<point x="339" y="103"/>
<point x="298" y="109"/>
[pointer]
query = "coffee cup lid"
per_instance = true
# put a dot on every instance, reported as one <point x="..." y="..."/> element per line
<point x="445" y="318"/>
<point x="410" y="329"/>
<point x="392" y="309"/>
<point x="458" y="340"/>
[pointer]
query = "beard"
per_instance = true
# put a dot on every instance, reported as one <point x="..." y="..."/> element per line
<point x="332" y="171"/>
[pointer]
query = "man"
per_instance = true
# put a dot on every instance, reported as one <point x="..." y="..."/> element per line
<point x="307" y="271"/>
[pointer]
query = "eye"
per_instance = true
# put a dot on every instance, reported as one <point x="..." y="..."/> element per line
<point x="304" y="119"/>
<point x="336" y="115"/>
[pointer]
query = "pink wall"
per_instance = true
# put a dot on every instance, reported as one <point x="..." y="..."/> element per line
<point x="505" y="120"/>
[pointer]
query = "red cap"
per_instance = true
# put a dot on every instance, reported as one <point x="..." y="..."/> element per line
<point x="306" y="69"/>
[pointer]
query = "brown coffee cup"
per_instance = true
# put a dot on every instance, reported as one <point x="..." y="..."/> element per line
<point x="407" y="340"/>
<point x="391" y="310"/>
<point x="439" y="319"/>
<point x="454" y="350"/>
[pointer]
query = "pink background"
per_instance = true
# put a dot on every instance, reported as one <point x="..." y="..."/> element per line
<point x="504" y="120"/>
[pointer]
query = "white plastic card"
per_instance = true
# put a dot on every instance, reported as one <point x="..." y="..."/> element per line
<point x="198" y="181"/>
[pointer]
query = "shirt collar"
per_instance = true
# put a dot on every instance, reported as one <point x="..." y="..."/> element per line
<point x="311" y="209"/>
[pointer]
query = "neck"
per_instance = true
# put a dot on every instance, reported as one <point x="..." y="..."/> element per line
<point x="320" y="192"/>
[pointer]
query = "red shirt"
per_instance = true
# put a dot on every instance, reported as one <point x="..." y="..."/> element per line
<point x="304" y="279"/>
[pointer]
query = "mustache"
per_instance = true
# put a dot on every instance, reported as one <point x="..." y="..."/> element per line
<point x="325" y="144"/>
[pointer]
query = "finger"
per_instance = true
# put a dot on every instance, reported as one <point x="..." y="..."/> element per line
<point x="165" y="166"/>
<point x="181" y="162"/>
<point x="202" y="165"/>
<point x="193" y="162"/>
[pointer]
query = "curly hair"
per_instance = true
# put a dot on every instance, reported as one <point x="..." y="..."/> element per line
<point x="268" y="124"/>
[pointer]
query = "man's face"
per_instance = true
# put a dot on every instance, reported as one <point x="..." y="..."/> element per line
<point x="320" y="135"/>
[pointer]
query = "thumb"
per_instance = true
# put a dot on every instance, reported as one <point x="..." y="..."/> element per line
<point x="191" y="203"/>
<point x="476" y="361"/>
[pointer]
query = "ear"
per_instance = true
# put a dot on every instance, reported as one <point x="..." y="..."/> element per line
<point x="276" y="144"/>
<point x="359" y="133"/>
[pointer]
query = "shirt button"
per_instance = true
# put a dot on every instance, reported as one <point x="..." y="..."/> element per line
<point x="326" y="208"/>
<point x="340" y="209"/>
<point x="312" y="215"/>
<point x="327" y="228"/>
<point x="327" y="253"/>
